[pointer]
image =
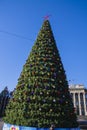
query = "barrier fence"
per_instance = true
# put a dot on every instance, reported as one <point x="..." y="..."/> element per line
<point x="15" y="127"/>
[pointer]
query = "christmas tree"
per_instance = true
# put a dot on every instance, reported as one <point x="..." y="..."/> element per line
<point x="42" y="96"/>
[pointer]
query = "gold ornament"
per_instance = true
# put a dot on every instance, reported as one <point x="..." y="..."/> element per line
<point x="50" y="110"/>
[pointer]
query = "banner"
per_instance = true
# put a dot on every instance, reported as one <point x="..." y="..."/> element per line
<point x="10" y="127"/>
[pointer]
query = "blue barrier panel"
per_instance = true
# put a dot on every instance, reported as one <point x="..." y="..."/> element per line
<point x="67" y="128"/>
<point x="15" y="127"/>
<point x="27" y="128"/>
<point x="42" y="128"/>
<point x="62" y="128"/>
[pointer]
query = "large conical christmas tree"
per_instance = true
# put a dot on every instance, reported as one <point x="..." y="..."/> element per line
<point x="42" y="95"/>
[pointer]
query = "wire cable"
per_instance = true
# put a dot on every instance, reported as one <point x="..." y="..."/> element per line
<point x="16" y="35"/>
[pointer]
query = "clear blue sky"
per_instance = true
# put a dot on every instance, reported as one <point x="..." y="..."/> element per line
<point x="25" y="17"/>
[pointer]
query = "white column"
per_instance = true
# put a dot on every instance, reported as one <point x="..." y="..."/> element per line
<point x="74" y="100"/>
<point x="84" y="103"/>
<point x="80" y="113"/>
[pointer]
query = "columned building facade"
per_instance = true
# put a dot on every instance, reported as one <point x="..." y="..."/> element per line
<point x="79" y="97"/>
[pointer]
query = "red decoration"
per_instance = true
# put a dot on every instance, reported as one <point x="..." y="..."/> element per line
<point x="13" y="128"/>
<point x="65" y="90"/>
<point x="47" y="17"/>
<point x="58" y="92"/>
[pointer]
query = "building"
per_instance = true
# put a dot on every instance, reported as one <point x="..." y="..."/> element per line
<point x="79" y="97"/>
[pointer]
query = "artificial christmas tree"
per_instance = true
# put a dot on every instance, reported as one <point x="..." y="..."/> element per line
<point x="42" y="97"/>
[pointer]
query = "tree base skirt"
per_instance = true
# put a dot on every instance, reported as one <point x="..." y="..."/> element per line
<point x="15" y="127"/>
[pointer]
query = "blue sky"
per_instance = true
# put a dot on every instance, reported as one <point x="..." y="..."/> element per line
<point x="25" y="17"/>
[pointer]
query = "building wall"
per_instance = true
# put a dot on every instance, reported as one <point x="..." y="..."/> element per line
<point x="79" y="97"/>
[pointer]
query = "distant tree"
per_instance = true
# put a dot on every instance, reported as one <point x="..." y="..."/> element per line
<point x="42" y="97"/>
<point x="4" y="98"/>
